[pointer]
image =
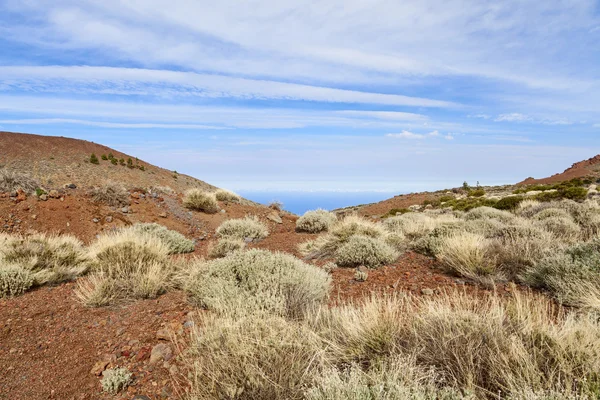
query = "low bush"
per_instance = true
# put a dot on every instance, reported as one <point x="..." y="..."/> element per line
<point x="112" y="194"/>
<point x="225" y="246"/>
<point x="315" y="221"/>
<point x="14" y="280"/>
<point x="226" y="195"/>
<point x="11" y="181"/>
<point x="94" y="159"/>
<point x="127" y="247"/>
<point x="467" y="254"/>
<point x="396" y="211"/>
<point x="242" y="228"/>
<point x="491" y="213"/>
<point x="175" y="241"/>
<point x="115" y="379"/>
<point x="198" y="200"/>
<point x="258" y="281"/>
<point x="49" y="259"/>
<point x="364" y="250"/>
<point x="563" y="228"/>
<point x="476" y="193"/>
<point x="104" y="157"/>
<point x="509" y="202"/>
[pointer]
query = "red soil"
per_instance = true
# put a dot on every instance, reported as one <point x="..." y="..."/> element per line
<point x="586" y="168"/>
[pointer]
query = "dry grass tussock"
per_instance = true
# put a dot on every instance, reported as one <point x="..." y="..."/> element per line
<point x="126" y="265"/>
<point x="257" y="282"/>
<point x="448" y="347"/>
<point x="199" y="200"/>
<point x="225" y="246"/>
<point x="113" y="194"/>
<point x="14" y="280"/>
<point x="11" y="181"/>
<point x="227" y="195"/>
<point x="48" y="259"/>
<point x="175" y="241"/>
<point x="315" y="221"/>
<point x="242" y="228"/>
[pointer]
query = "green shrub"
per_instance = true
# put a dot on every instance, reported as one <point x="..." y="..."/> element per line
<point x="104" y="157"/>
<point x="130" y="163"/>
<point x="176" y="242"/>
<point x="396" y="211"/>
<point x="198" y="200"/>
<point x="258" y="281"/>
<point x="14" y="280"/>
<point x="122" y="161"/>
<point x="115" y="379"/>
<point x="94" y="159"/>
<point x="113" y="161"/>
<point x="365" y="250"/>
<point x="476" y="193"/>
<point x="509" y="203"/>
<point x="242" y="228"/>
<point x="39" y="192"/>
<point x="225" y="246"/>
<point x="315" y="221"/>
<point x="446" y="198"/>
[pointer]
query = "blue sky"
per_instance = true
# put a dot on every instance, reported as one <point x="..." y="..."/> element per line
<point x="297" y="95"/>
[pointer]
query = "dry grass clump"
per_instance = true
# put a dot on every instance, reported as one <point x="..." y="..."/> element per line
<point x="452" y="346"/>
<point x="198" y="200"/>
<point x="227" y="195"/>
<point x="490" y="213"/>
<point x="112" y="193"/>
<point x="14" y="280"/>
<point x="11" y="181"/>
<point x="254" y="359"/>
<point x="225" y="246"/>
<point x="242" y="228"/>
<point x="416" y="225"/>
<point x="126" y="265"/>
<point x="326" y="245"/>
<point x="364" y="250"/>
<point x="175" y="241"/>
<point x="49" y="259"/>
<point x="563" y="228"/>
<point x="257" y="281"/>
<point x="467" y="254"/>
<point x="315" y="221"/>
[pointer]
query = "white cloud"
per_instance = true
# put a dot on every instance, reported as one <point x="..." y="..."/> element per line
<point x="53" y="121"/>
<point x="410" y="135"/>
<point x="513" y="117"/>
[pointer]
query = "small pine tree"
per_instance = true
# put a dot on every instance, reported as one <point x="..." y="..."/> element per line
<point x="122" y="161"/>
<point x="113" y="161"/>
<point x="466" y="186"/>
<point x="104" y="157"/>
<point x="129" y="163"/>
<point x="94" y="159"/>
<point x="110" y="156"/>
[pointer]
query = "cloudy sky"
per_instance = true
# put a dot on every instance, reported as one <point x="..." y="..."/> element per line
<point x="312" y="95"/>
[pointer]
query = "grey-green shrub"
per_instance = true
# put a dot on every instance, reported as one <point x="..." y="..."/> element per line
<point x="198" y="200"/>
<point x="226" y="195"/>
<point x="315" y="221"/>
<point x="14" y="280"/>
<point x="115" y="379"/>
<point x="258" y="281"/>
<point x="491" y="213"/>
<point x="176" y="242"/>
<point x="242" y="228"/>
<point x="365" y="250"/>
<point x="225" y="246"/>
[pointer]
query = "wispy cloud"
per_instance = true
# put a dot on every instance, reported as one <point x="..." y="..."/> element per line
<point x="411" y="135"/>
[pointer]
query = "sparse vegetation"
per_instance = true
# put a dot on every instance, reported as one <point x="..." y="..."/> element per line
<point x="14" y="280"/>
<point x="198" y="200"/>
<point x="175" y="241"/>
<point x="115" y="379"/>
<point x="315" y="221"/>
<point x="257" y="282"/>
<point x="112" y="194"/>
<point x="226" y="195"/>
<point x="248" y="227"/>
<point x="225" y="246"/>
<point x="11" y="181"/>
<point x="364" y="250"/>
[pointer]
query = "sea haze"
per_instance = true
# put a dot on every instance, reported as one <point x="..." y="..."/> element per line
<point x="299" y="202"/>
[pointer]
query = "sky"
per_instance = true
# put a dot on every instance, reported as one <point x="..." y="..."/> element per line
<point x="328" y="95"/>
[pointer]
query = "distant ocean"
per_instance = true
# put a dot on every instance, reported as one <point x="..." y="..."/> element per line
<point x="299" y="202"/>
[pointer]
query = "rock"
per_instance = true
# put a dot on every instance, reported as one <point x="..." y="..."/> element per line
<point x="21" y="196"/>
<point x="13" y="193"/>
<point x="108" y="219"/>
<point x="34" y="216"/>
<point x="161" y="351"/>
<point x="188" y="324"/>
<point x="142" y="196"/>
<point x="163" y="334"/>
<point x="71" y="186"/>
<point x="135" y="195"/>
<point x="222" y="211"/>
<point x="142" y="354"/>
<point x="427" y="292"/>
<point x="125" y="210"/>
<point x="274" y="217"/>
<point x="43" y="197"/>
<point x="99" y="367"/>
<point x="362" y="268"/>
<point x="95" y="220"/>
<point x="163" y="215"/>
<point x="415" y="207"/>
<point x="54" y="194"/>
<point x="248" y="240"/>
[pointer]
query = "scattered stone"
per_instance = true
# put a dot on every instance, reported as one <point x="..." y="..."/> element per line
<point x="43" y="197"/>
<point x="95" y="220"/>
<point x="427" y="292"/>
<point x="34" y="216"/>
<point x="21" y="196"/>
<point x="163" y="334"/>
<point x="54" y="194"/>
<point x="163" y="215"/>
<point x="222" y="211"/>
<point x="125" y="210"/>
<point x="99" y="367"/>
<point x="71" y="186"/>
<point x="248" y="240"/>
<point x="13" y="193"/>
<point x="108" y="219"/>
<point x="135" y="195"/>
<point x="275" y="218"/>
<point x="188" y="324"/>
<point x="161" y="351"/>
<point x="142" y="354"/>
